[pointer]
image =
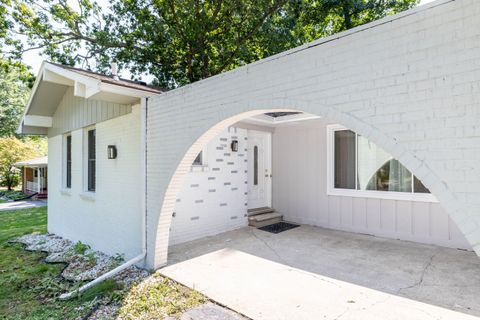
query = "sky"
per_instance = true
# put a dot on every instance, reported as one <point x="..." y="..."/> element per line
<point x="34" y="60"/>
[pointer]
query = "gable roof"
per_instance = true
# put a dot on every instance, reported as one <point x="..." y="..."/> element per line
<point x="139" y="85"/>
<point x="36" y="162"/>
<point x="54" y="79"/>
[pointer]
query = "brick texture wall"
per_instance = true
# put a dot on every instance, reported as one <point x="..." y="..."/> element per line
<point x="213" y="198"/>
<point x="410" y="83"/>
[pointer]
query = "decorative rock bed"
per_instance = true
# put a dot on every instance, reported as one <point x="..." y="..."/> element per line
<point x="81" y="266"/>
<point x="85" y="264"/>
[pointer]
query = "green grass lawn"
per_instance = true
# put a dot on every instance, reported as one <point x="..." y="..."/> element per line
<point x="29" y="287"/>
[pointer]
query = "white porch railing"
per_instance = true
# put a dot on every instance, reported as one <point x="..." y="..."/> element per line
<point x="32" y="186"/>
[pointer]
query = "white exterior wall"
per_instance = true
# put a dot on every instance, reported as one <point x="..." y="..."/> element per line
<point x="213" y="198"/>
<point x="111" y="220"/>
<point x="300" y="194"/>
<point x="408" y="82"/>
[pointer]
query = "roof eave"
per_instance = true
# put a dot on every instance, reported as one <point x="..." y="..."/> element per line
<point x="83" y="86"/>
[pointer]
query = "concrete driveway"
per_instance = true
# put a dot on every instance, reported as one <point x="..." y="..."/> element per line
<point x="17" y="205"/>
<point x="311" y="272"/>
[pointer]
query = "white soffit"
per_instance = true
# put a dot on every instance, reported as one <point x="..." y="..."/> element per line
<point x="269" y="121"/>
<point x="37" y="121"/>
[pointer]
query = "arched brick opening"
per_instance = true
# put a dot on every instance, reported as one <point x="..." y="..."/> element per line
<point x="408" y="82"/>
<point x="159" y="238"/>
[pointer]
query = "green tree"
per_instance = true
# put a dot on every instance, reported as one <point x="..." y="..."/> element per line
<point x="312" y="19"/>
<point x="182" y="41"/>
<point x="13" y="150"/>
<point x="15" y="79"/>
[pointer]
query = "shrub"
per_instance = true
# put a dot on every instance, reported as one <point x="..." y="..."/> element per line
<point x="80" y="248"/>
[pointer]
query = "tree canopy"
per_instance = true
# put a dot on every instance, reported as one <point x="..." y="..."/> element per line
<point x="180" y="41"/>
<point x="14" y="89"/>
<point x="13" y="150"/>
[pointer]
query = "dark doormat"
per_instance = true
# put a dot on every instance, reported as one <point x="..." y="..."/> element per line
<point x="279" y="227"/>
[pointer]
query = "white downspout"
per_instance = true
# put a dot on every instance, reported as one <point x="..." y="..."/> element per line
<point x="143" y="190"/>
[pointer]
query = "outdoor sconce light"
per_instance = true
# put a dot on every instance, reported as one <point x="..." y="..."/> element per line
<point x="112" y="152"/>
<point x="234" y="145"/>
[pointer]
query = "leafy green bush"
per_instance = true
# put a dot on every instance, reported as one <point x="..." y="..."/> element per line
<point x="12" y="194"/>
<point x="80" y="248"/>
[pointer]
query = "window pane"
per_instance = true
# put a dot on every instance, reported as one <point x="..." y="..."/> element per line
<point x="255" y="166"/>
<point x="198" y="160"/>
<point x="392" y="176"/>
<point x="91" y="160"/>
<point x="345" y="159"/>
<point x="378" y="171"/>
<point x="69" y="162"/>
<point x="418" y="186"/>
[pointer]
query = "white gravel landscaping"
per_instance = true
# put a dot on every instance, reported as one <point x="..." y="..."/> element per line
<point x="81" y="266"/>
<point x="85" y="264"/>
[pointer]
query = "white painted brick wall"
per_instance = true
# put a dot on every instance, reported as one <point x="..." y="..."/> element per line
<point x="112" y="222"/>
<point x="401" y="82"/>
<point x="213" y="198"/>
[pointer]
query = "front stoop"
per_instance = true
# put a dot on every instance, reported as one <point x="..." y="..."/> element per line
<point x="261" y="217"/>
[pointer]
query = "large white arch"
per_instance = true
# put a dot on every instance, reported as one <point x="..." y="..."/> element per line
<point x="407" y="82"/>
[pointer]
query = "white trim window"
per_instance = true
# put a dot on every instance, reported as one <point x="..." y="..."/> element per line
<point x="90" y="159"/>
<point x="68" y="161"/>
<point x="357" y="167"/>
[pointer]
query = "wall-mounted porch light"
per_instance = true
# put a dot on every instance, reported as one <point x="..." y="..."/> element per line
<point x="112" y="152"/>
<point x="234" y="145"/>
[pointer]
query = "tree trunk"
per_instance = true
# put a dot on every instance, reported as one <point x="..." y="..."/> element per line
<point x="347" y="17"/>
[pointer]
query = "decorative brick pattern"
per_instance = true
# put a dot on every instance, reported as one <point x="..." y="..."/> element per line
<point x="220" y="193"/>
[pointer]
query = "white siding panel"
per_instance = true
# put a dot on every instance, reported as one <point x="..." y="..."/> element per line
<point x="299" y="185"/>
<point x="439" y="223"/>
<point x="75" y="113"/>
<point x="334" y="213"/>
<point x="404" y="217"/>
<point x="359" y="208"/>
<point x="374" y="216"/>
<point x="421" y="219"/>
<point x="346" y="212"/>
<point x="387" y="217"/>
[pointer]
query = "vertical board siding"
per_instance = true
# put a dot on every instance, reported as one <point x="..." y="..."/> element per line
<point x="299" y="192"/>
<point x="75" y="113"/>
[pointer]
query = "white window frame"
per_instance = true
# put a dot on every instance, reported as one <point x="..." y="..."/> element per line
<point x="87" y="194"/>
<point x="66" y="189"/>
<point x="388" y="195"/>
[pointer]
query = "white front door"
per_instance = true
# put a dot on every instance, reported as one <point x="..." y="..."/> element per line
<point x="259" y="169"/>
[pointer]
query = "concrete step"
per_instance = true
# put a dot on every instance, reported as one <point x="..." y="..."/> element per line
<point x="265" y="219"/>
<point x="258" y="211"/>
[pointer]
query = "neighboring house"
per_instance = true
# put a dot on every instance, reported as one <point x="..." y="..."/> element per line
<point x="34" y="176"/>
<point x="373" y="130"/>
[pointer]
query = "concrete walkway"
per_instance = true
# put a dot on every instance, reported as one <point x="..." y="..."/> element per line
<point x="17" y="205"/>
<point x="313" y="272"/>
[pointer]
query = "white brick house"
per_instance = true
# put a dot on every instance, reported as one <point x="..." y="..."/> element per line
<point x="406" y="87"/>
